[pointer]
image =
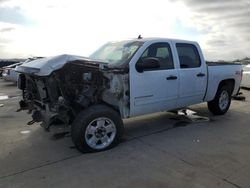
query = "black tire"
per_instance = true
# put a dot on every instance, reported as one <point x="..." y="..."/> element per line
<point x="214" y="105"/>
<point x="85" y="118"/>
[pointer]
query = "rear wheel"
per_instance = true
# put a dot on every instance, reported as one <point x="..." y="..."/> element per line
<point x="221" y="103"/>
<point x="97" y="128"/>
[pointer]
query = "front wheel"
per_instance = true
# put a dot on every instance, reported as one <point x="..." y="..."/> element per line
<point x="97" y="128"/>
<point x="221" y="103"/>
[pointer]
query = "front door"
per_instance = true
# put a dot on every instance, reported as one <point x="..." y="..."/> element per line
<point x="154" y="89"/>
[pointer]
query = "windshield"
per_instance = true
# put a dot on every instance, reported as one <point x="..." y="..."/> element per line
<point x="117" y="52"/>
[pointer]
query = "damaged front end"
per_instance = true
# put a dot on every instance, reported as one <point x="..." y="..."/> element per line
<point x="59" y="91"/>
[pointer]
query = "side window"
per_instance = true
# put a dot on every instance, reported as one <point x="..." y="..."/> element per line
<point x="162" y="52"/>
<point x="188" y="56"/>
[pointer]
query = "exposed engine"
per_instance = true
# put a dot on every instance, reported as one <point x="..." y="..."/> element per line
<point x="65" y="92"/>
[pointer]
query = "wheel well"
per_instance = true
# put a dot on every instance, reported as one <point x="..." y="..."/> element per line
<point x="80" y="108"/>
<point x="111" y="106"/>
<point x="228" y="82"/>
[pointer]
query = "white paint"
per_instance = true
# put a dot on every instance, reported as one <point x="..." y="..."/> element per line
<point x="246" y="79"/>
<point x="246" y="76"/>
<point x="45" y="66"/>
<point x="150" y="91"/>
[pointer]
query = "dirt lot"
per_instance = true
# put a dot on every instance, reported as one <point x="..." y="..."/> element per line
<point x="160" y="150"/>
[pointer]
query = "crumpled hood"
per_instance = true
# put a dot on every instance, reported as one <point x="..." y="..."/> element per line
<point x="45" y="66"/>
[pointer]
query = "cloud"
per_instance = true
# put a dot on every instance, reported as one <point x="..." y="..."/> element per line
<point x="12" y="15"/>
<point x="227" y="23"/>
<point x="81" y="27"/>
<point x="46" y="27"/>
<point x="2" y="1"/>
<point x="7" y="29"/>
<point x="217" y="42"/>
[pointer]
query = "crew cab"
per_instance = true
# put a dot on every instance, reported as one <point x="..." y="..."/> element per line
<point x="121" y="80"/>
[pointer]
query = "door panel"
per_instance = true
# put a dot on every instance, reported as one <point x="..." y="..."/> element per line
<point x="154" y="92"/>
<point x="157" y="89"/>
<point x="192" y="88"/>
<point x="193" y="75"/>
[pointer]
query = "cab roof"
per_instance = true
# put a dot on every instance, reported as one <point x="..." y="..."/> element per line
<point x="152" y="39"/>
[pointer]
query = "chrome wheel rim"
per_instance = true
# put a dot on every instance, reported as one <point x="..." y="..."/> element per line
<point x="100" y="133"/>
<point x="223" y="100"/>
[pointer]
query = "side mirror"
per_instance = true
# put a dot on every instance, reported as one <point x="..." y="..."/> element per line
<point x="147" y="64"/>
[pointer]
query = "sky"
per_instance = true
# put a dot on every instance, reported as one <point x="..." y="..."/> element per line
<point x="52" y="27"/>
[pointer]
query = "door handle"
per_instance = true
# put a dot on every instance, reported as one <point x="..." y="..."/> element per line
<point x="171" y="78"/>
<point x="200" y="75"/>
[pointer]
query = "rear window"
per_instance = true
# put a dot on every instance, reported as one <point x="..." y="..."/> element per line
<point x="188" y="55"/>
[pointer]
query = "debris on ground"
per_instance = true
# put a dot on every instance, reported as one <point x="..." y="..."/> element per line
<point x="192" y="115"/>
<point x="25" y="132"/>
<point x="187" y="116"/>
<point x="4" y="97"/>
<point x="1" y="105"/>
<point x="239" y="97"/>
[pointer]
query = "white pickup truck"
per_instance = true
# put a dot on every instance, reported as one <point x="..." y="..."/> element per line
<point x="121" y="80"/>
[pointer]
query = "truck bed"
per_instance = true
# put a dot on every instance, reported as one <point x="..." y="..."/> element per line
<point x="220" y="71"/>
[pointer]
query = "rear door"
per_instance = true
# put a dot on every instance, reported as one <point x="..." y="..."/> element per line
<point x="193" y="74"/>
<point x="156" y="89"/>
